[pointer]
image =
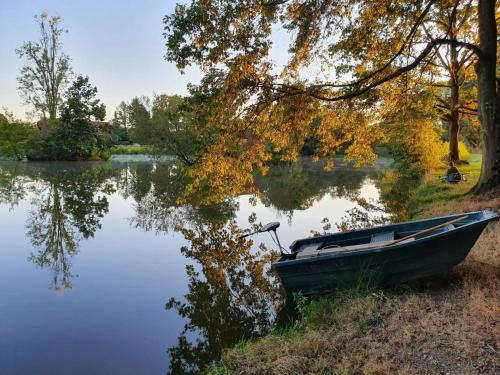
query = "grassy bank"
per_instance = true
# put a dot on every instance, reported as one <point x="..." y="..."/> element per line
<point x="444" y="325"/>
<point x="131" y="150"/>
<point x="434" y="192"/>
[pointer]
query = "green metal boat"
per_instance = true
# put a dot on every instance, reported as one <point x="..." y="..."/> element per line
<point x="388" y="254"/>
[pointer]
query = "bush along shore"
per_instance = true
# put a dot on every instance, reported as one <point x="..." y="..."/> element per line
<point x="442" y="325"/>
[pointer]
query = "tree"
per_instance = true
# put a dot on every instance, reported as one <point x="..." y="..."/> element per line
<point x="76" y="136"/>
<point x="457" y="99"/>
<point x="411" y="125"/>
<point x="120" y="118"/>
<point x="174" y="128"/>
<point x="488" y="96"/>
<point x="139" y="117"/>
<point x="361" y="45"/>
<point x="47" y="69"/>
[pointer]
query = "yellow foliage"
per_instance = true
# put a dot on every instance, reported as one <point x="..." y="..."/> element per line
<point x="463" y="152"/>
<point x="412" y="129"/>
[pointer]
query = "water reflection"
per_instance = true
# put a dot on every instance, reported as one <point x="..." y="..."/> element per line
<point x="158" y="201"/>
<point x="12" y="185"/>
<point x="66" y="207"/>
<point x="231" y="294"/>
<point x="231" y="297"/>
<point x="396" y="188"/>
<point x="291" y="187"/>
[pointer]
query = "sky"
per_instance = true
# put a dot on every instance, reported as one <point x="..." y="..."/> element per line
<point x="117" y="43"/>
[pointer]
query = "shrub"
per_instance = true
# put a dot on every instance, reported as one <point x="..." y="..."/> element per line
<point x="14" y="137"/>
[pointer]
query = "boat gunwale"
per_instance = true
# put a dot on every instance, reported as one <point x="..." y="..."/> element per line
<point x="488" y="216"/>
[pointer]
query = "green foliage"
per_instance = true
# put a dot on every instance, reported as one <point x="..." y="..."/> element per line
<point x="14" y="138"/>
<point x="309" y="147"/>
<point x="118" y="134"/>
<point x="76" y="139"/>
<point x="47" y="69"/>
<point x="81" y="102"/>
<point x="74" y="136"/>
<point x="131" y="150"/>
<point x="433" y="191"/>
<point x="139" y="116"/>
<point x="178" y="126"/>
<point x="170" y="124"/>
<point x="41" y="147"/>
<point x="470" y="132"/>
<point x="219" y="370"/>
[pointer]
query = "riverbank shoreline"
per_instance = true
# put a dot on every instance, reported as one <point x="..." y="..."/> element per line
<point x="441" y="325"/>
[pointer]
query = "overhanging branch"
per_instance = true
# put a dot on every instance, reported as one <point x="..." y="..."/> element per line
<point x="317" y="91"/>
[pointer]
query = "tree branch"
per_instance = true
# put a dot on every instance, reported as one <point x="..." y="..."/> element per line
<point x="397" y="72"/>
<point x="396" y="55"/>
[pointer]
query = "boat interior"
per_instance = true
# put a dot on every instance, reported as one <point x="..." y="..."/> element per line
<point x="379" y="237"/>
<point x="367" y="241"/>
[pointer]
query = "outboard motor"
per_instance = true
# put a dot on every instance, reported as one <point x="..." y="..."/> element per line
<point x="269" y="227"/>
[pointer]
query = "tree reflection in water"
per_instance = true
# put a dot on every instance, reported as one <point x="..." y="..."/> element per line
<point x="396" y="189"/>
<point x="391" y="207"/>
<point x="12" y="185"/>
<point x="232" y="294"/>
<point x="67" y="206"/>
<point x="161" y="208"/>
<point x="291" y="187"/>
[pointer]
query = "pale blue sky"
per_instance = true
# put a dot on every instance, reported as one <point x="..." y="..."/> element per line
<point x="117" y="43"/>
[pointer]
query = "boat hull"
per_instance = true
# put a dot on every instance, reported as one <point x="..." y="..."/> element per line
<point x="390" y="265"/>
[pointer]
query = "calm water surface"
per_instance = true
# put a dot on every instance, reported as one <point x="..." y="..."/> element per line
<point x="103" y="272"/>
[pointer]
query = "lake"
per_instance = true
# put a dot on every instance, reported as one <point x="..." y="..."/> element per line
<point x="103" y="271"/>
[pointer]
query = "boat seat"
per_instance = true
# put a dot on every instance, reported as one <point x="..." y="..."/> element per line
<point x="443" y="229"/>
<point x="312" y="251"/>
<point x="384" y="236"/>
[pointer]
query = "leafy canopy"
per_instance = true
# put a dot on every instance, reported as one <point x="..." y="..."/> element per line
<point x="349" y="50"/>
<point x="81" y="102"/>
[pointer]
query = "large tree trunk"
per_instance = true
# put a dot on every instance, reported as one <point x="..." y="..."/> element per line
<point x="488" y="100"/>
<point x="52" y="113"/>
<point x="454" y="119"/>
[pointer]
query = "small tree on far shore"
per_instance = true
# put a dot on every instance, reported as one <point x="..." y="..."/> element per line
<point x="76" y="136"/>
